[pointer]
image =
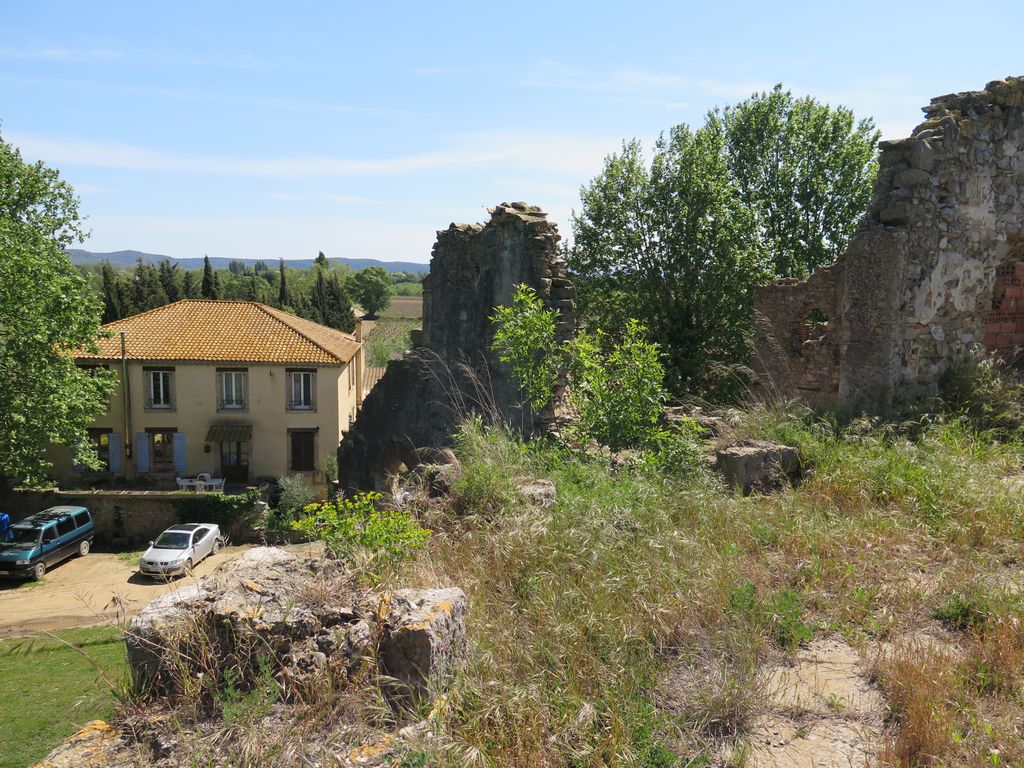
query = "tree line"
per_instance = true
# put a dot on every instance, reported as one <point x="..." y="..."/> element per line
<point x="323" y="293"/>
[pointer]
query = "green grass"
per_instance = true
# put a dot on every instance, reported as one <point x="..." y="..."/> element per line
<point x="130" y="558"/>
<point x="51" y="690"/>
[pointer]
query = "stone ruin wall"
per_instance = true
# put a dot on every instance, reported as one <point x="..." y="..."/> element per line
<point x="451" y="371"/>
<point x="936" y="268"/>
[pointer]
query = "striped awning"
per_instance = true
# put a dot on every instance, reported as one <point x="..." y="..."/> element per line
<point x="229" y="433"/>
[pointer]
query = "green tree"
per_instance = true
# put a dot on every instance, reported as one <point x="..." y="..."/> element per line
<point x="47" y="314"/>
<point x="211" y="283"/>
<point x="318" y="297"/>
<point x="681" y="242"/>
<point x="147" y="290"/>
<point x="112" y="305"/>
<point x="373" y="288"/>
<point x="170" y="280"/>
<point x="805" y="170"/>
<point x="191" y="285"/>
<point x="339" y="313"/>
<point x="283" y="297"/>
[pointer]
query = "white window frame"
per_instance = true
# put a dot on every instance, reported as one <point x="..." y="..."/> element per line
<point x="295" y="385"/>
<point x="166" y="388"/>
<point x="238" y="379"/>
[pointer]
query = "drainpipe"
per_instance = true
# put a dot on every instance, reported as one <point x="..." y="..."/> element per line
<point x="360" y="366"/>
<point x="126" y="394"/>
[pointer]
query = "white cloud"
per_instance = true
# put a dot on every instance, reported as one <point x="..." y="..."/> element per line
<point x="69" y="55"/>
<point x="549" y="152"/>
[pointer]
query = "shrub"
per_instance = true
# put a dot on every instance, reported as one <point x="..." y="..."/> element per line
<point x="356" y="529"/>
<point x="524" y="338"/>
<point x="331" y="475"/>
<point x="293" y="494"/>
<point x="615" y="387"/>
<point x="226" y="511"/>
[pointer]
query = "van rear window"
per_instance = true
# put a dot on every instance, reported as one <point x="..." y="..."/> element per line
<point x="82" y="518"/>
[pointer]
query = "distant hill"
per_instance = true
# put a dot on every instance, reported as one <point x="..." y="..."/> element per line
<point x="128" y="259"/>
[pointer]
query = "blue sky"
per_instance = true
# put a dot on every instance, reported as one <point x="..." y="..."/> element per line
<point x="271" y="130"/>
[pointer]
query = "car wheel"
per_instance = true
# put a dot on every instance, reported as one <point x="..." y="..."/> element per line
<point x="38" y="571"/>
<point x="216" y="546"/>
<point x="83" y="549"/>
<point x="188" y="568"/>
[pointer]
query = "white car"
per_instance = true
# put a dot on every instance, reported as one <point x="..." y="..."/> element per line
<point x="181" y="547"/>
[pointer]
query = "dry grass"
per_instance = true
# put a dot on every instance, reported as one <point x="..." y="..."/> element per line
<point x="607" y="630"/>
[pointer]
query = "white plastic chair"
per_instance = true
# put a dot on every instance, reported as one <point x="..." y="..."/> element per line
<point x="215" y="484"/>
<point x="200" y="486"/>
<point x="185" y="483"/>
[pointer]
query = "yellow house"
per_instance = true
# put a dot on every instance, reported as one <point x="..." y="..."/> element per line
<point x="236" y="389"/>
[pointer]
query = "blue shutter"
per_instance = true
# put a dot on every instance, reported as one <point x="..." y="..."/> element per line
<point x="180" y="463"/>
<point x="142" y="452"/>
<point x="116" y="461"/>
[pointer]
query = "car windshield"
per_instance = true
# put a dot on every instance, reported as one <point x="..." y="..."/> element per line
<point x="24" y="537"/>
<point x="172" y="540"/>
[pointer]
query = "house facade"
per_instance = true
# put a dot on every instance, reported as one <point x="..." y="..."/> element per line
<point x="235" y="389"/>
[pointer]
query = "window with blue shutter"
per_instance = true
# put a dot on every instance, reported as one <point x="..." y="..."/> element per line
<point x="116" y="462"/>
<point x="142" y="452"/>
<point x="180" y="459"/>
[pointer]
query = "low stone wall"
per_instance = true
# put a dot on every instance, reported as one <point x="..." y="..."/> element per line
<point x="123" y="518"/>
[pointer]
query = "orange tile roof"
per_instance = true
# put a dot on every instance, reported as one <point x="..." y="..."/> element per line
<point x="224" y="331"/>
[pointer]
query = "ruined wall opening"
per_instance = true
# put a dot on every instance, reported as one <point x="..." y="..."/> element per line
<point x="811" y="331"/>
<point x="1004" y="324"/>
<point x="396" y="459"/>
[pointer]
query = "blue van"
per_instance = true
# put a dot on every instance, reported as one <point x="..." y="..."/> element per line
<point x="44" y="539"/>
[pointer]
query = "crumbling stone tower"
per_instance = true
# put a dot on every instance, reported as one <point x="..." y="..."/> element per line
<point x="452" y="372"/>
<point x="936" y="267"/>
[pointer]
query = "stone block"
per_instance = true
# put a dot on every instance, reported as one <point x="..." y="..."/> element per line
<point x="757" y="466"/>
<point x="424" y="639"/>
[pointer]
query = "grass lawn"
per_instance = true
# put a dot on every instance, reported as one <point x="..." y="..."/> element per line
<point x="51" y="690"/>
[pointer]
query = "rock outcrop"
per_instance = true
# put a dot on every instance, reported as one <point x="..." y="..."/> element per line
<point x="306" y="623"/>
<point x="936" y="269"/>
<point x="452" y="372"/>
<point x="300" y="619"/>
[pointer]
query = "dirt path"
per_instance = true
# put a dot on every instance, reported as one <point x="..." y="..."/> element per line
<point x="87" y="590"/>
<point x="823" y="712"/>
